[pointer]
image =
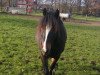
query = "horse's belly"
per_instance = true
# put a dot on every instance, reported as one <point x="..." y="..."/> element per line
<point x="54" y="52"/>
<point x="57" y="48"/>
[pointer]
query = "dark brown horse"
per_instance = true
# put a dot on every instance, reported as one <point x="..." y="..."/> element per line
<point x="51" y="37"/>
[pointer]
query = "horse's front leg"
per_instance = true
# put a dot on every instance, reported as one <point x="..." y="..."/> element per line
<point x="45" y="64"/>
<point x="53" y="64"/>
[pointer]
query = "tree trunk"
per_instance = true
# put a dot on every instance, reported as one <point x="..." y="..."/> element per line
<point x="78" y="6"/>
<point x="9" y="3"/>
<point x="26" y="7"/>
<point x="1" y="5"/>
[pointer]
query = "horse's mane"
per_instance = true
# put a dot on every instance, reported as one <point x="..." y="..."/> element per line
<point x="51" y="19"/>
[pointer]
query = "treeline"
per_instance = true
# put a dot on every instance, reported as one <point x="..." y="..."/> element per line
<point x="84" y="7"/>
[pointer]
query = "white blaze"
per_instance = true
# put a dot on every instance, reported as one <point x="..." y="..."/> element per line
<point x="48" y="28"/>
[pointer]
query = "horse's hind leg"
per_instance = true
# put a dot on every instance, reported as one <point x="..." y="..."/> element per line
<point x="45" y="64"/>
<point x="53" y="64"/>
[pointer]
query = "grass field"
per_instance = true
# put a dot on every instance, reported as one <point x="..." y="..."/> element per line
<point x="19" y="53"/>
<point x="88" y="18"/>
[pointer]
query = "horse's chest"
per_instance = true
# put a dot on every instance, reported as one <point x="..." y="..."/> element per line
<point x="47" y="31"/>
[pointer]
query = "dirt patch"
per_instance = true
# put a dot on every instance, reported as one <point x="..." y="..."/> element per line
<point x="83" y="22"/>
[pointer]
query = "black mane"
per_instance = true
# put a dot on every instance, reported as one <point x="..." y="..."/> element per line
<point x="51" y="18"/>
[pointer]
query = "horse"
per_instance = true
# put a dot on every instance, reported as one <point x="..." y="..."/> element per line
<point x="51" y="38"/>
<point x="65" y="16"/>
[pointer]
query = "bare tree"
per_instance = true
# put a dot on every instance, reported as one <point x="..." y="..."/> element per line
<point x="78" y="6"/>
<point x="1" y="5"/>
<point x="4" y="4"/>
<point x="87" y="4"/>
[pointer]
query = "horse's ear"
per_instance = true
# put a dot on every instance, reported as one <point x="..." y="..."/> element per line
<point x="44" y="11"/>
<point x="57" y="13"/>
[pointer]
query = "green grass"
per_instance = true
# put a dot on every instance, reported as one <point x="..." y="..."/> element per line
<point x="19" y="53"/>
<point x="88" y="18"/>
<point x="36" y="13"/>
